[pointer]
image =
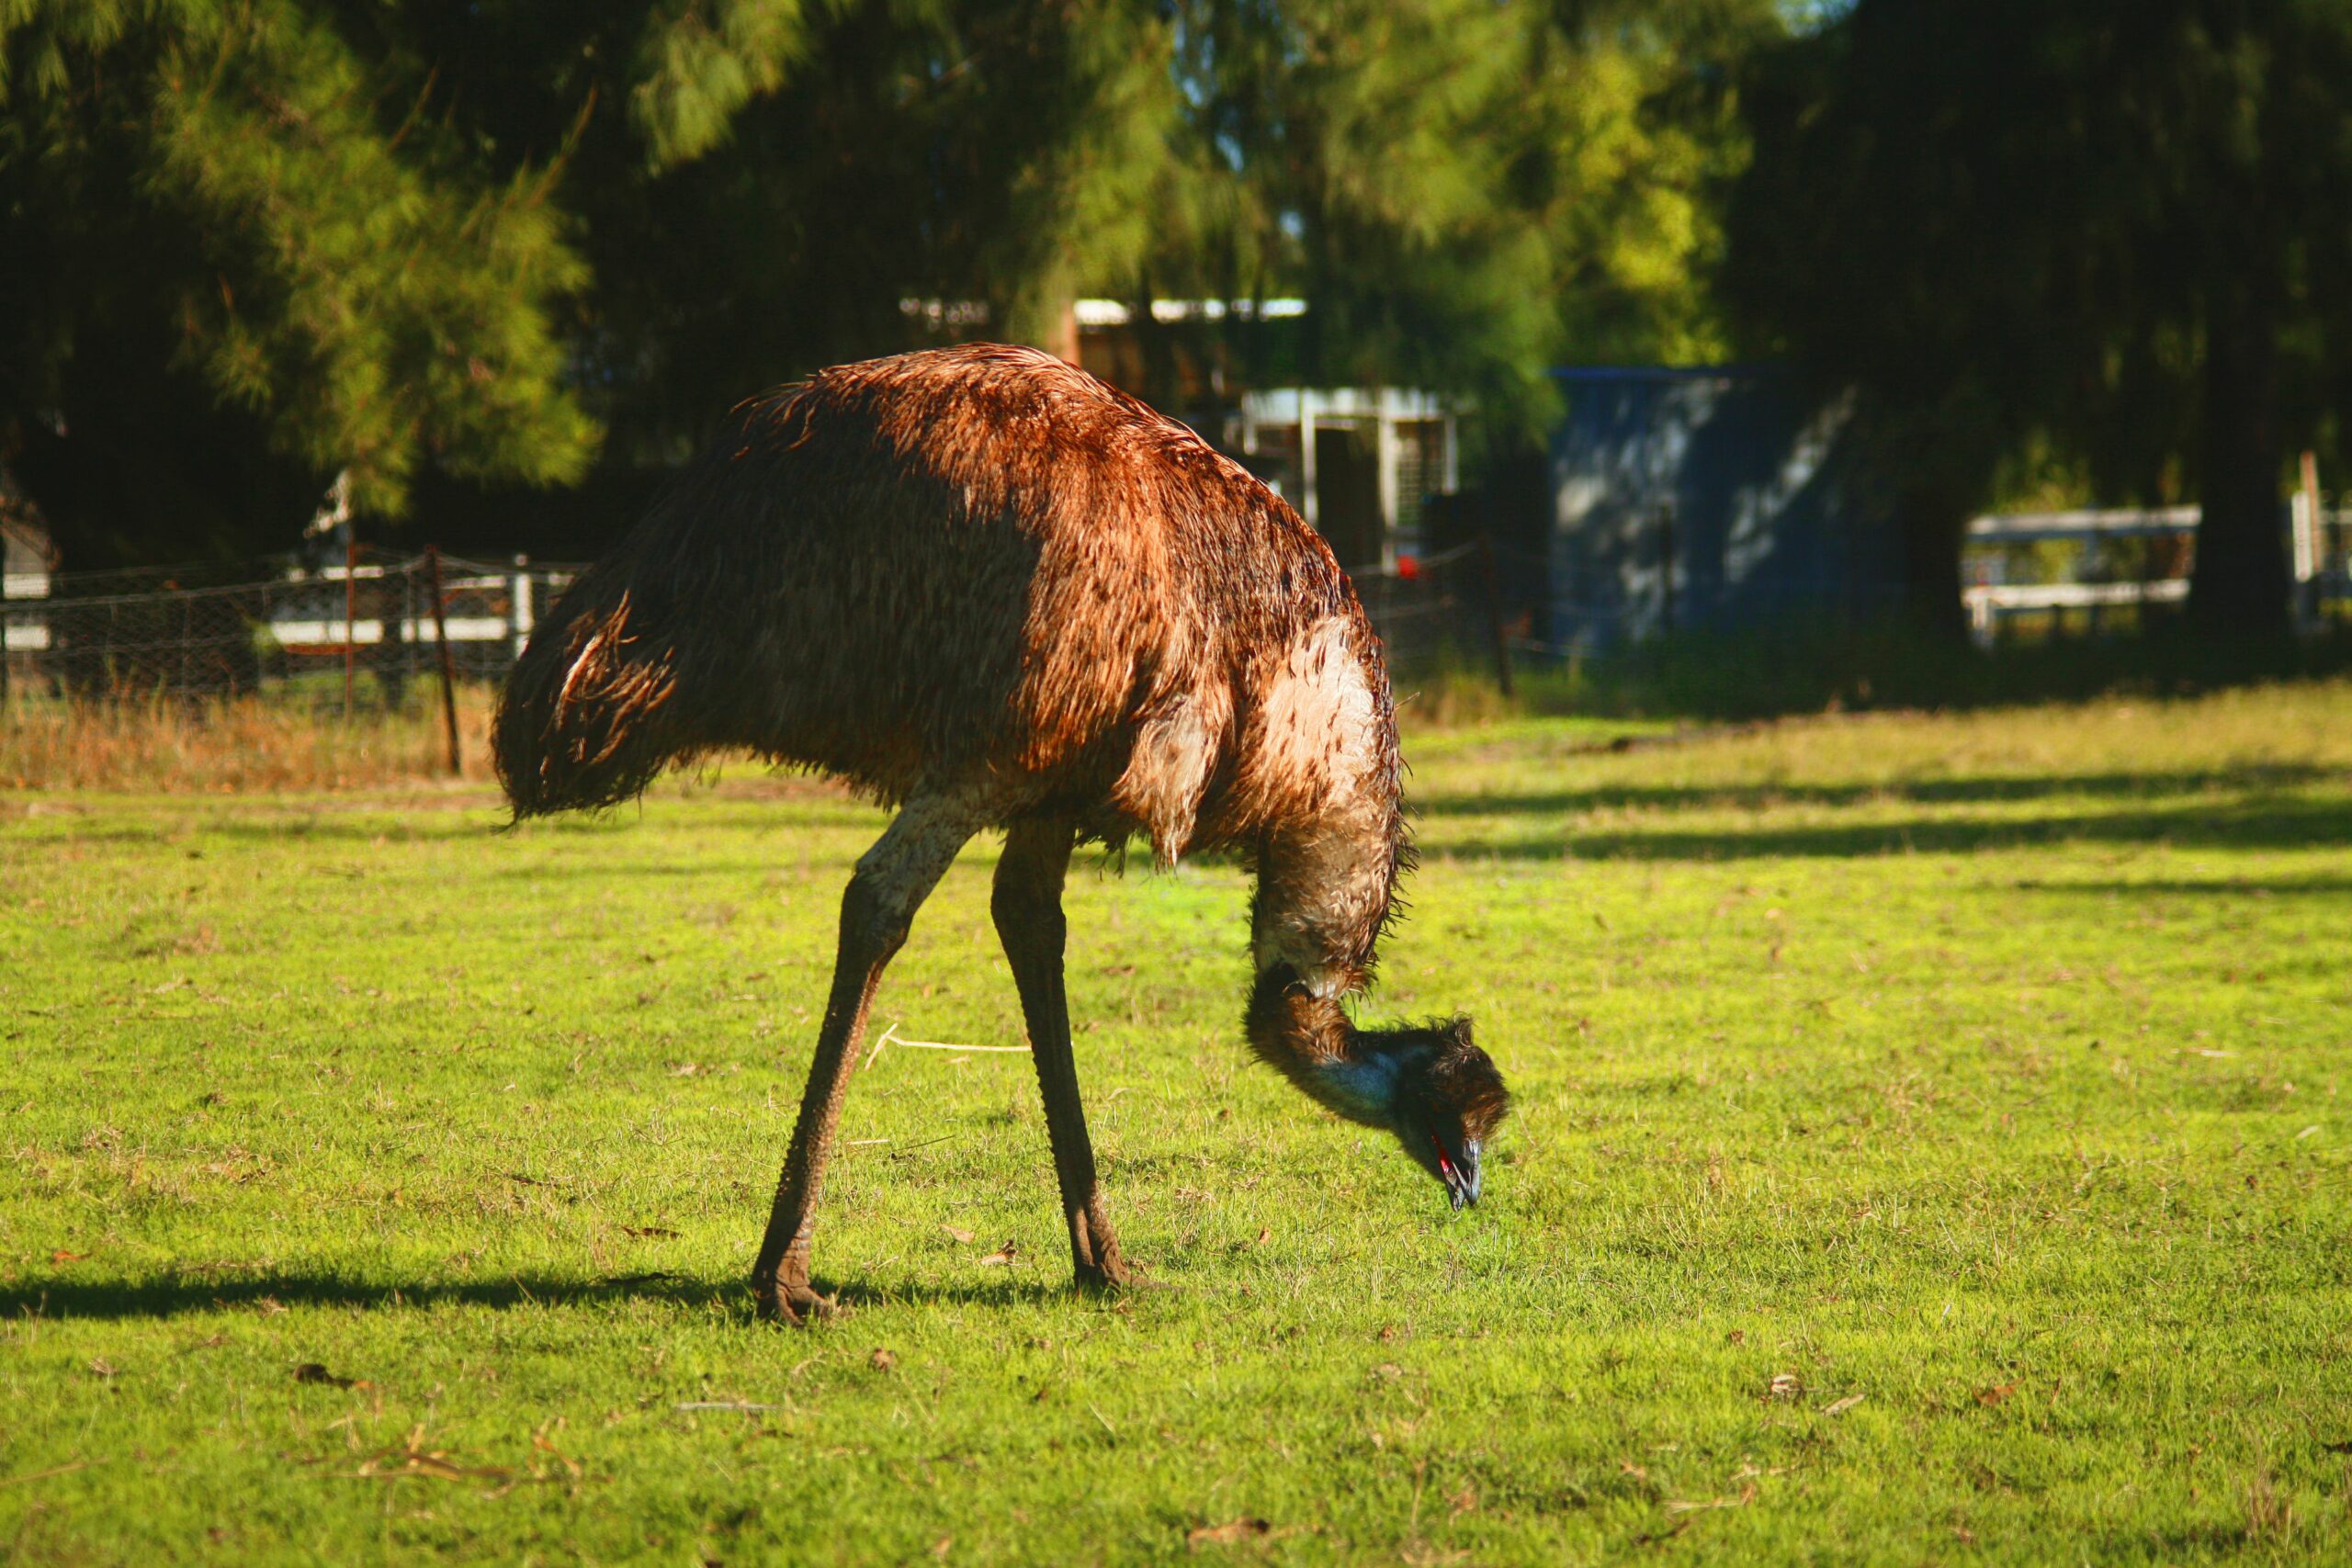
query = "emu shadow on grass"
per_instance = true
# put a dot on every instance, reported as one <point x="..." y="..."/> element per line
<point x="182" y="1295"/>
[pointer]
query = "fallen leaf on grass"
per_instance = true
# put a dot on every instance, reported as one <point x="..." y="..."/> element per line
<point x="1001" y="1256"/>
<point x="1747" y="1496"/>
<point x="62" y="1256"/>
<point x="1989" y="1397"/>
<point x="1228" y="1533"/>
<point x="541" y="1441"/>
<point x="647" y="1231"/>
<point x="1840" y="1406"/>
<point x="102" y="1367"/>
<point x="1784" y="1385"/>
<point x="44" y="1474"/>
<point x="269" y="1306"/>
<point x="413" y="1459"/>
<point x="964" y="1239"/>
<point x="312" y="1371"/>
<point x="882" y="1361"/>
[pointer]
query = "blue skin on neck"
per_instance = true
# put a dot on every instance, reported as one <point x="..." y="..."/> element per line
<point x="1364" y="1088"/>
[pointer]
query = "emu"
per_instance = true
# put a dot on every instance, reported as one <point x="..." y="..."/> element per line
<point x="980" y="585"/>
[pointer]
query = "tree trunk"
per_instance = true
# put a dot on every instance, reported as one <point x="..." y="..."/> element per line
<point x="1923" y="467"/>
<point x="2238" y="588"/>
<point x="1932" y="530"/>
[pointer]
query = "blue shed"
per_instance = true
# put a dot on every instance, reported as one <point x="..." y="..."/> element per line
<point x="1709" y="498"/>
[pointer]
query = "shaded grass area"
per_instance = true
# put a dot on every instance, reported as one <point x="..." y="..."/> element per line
<point x="1809" y="666"/>
<point x="1929" y="1148"/>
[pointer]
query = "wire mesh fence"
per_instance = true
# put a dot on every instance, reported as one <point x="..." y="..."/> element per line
<point x="1452" y="606"/>
<point x="311" y="632"/>
<point x="361" y="631"/>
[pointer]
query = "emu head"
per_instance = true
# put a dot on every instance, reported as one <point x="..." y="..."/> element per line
<point x="1428" y="1084"/>
<point x="1443" y="1098"/>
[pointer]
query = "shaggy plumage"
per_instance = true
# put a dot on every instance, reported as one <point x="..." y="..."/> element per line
<point x="980" y="583"/>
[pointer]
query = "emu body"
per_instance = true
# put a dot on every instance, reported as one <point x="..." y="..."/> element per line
<point x="982" y="586"/>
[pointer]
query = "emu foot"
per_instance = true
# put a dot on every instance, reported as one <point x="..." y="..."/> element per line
<point x="1097" y="1280"/>
<point x="1094" y="1254"/>
<point x="793" y="1302"/>
<point x="1103" y="1274"/>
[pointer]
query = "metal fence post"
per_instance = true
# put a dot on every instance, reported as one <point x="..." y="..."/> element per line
<point x="2311" y="548"/>
<point x="1495" y="611"/>
<point x="523" y="617"/>
<point x="350" y="614"/>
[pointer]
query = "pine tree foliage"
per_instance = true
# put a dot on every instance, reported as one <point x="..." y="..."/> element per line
<point x="1464" y="192"/>
<point x="372" y="307"/>
<point x="698" y="63"/>
<point x="932" y="168"/>
<point x="458" y="244"/>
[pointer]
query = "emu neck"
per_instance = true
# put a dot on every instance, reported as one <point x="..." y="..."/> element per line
<point x="1324" y="894"/>
<point x="1309" y="1039"/>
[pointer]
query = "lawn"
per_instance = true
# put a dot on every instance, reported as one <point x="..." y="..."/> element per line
<point x="1928" y="1149"/>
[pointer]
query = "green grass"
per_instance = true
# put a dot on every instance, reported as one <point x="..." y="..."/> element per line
<point x="1930" y="1150"/>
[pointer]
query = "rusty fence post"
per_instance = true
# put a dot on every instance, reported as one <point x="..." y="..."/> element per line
<point x="449" y="677"/>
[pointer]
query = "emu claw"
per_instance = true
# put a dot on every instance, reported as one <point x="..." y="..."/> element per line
<point x="795" y="1304"/>
<point x="1100" y="1281"/>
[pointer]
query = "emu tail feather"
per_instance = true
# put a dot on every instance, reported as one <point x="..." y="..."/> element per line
<point x="590" y="714"/>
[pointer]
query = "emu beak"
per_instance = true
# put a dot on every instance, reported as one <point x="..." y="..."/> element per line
<point x="1460" y="1180"/>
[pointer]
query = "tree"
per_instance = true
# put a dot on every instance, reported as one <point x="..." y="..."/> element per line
<point x="2104" y="228"/>
<point x="1462" y="192"/>
<point x="442" y="242"/>
<point x="451" y="245"/>
<point x="235" y="268"/>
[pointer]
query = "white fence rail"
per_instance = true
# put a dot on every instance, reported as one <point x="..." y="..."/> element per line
<point x="202" y="631"/>
<point x="2315" y="543"/>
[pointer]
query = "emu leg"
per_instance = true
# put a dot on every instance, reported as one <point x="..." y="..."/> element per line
<point x="893" y="879"/>
<point x="1027" y="905"/>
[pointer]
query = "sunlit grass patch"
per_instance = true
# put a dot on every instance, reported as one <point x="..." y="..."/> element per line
<point x="1930" y="1147"/>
